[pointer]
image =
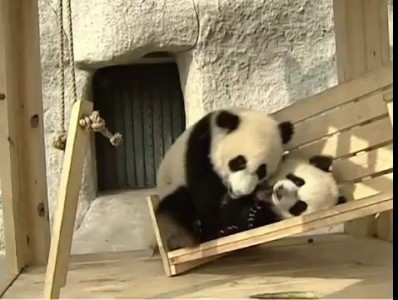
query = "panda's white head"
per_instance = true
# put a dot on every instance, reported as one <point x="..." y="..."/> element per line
<point x="247" y="147"/>
<point x="303" y="186"/>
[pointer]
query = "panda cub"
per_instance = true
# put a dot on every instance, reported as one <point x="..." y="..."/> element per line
<point x="300" y="186"/>
<point x="227" y="152"/>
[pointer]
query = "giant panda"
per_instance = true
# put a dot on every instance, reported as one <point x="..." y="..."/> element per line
<point x="228" y="151"/>
<point x="300" y="186"/>
<point x="303" y="186"/>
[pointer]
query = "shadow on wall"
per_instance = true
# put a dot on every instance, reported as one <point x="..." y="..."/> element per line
<point x="296" y="77"/>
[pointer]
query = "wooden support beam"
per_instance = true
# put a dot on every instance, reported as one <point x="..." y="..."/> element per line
<point x="22" y="150"/>
<point x="68" y="194"/>
<point x="362" y="45"/>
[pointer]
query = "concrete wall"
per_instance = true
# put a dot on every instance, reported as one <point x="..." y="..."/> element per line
<point x="262" y="54"/>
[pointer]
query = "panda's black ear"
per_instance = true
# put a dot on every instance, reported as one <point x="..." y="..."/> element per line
<point x="286" y="130"/>
<point x="227" y="120"/>
<point x="322" y="162"/>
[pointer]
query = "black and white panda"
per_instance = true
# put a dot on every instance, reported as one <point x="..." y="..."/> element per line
<point x="299" y="187"/>
<point x="302" y="186"/>
<point x="228" y="151"/>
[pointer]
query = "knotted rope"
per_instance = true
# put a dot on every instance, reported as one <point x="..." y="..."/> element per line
<point x="93" y="122"/>
<point x="97" y="124"/>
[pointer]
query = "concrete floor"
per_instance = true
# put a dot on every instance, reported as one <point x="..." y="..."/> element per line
<point x="117" y="221"/>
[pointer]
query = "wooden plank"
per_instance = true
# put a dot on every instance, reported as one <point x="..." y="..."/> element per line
<point x="337" y="95"/>
<point x="384" y="223"/>
<point x="6" y="282"/>
<point x="338" y="119"/>
<point x="362" y="46"/>
<point x="364" y="164"/>
<point x="329" y="267"/>
<point x="153" y="202"/>
<point x="296" y="225"/>
<point x="376" y="33"/>
<point x="23" y="170"/>
<point x="367" y="188"/>
<point x="390" y="111"/>
<point x="177" y="269"/>
<point x="350" y="141"/>
<point x="68" y="194"/>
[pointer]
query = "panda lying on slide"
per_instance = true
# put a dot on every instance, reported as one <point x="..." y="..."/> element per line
<point x="228" y="151"/>
<point x="300" y="186"/>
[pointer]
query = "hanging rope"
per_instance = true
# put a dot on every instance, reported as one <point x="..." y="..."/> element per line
<point x="60" y="140"/>
<point x="93" y="122"/>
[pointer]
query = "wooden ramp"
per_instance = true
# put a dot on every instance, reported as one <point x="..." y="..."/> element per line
<point x="351" y="122"/>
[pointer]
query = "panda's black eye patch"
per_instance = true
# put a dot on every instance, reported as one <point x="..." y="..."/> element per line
<point x="261" y="171"/>
<point x="227" y="120"/>
<point x="295" y="179"/>
<point x="298" y="208"/>
<point x="237" y="164"/>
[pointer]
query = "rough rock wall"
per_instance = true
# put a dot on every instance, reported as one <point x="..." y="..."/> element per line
<point x="262" y="54"/>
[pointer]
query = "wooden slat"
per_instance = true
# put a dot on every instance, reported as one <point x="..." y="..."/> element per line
<point x="351" y="141"/>
<point x="364" y="164"/>
<point x="338" y="119"/>
<point x="68" y="194"/>
<point x="351" y="48"/>
<point x="22" y="150"/>
<point x="377" y="42"/>
<point x="368" y="188"/>
<point x="5" y="283"/>
<point x="338" y="95"/>
<point x="296" y="225"/>
<point x="362" y="46"/>
<point x="153" y="202"/>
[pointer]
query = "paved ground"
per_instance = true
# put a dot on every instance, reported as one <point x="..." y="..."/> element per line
<point x="115" y="222"/>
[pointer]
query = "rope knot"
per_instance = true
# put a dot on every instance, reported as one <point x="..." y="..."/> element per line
<point x="59" y="141"/>
<point x="97" y="124"/>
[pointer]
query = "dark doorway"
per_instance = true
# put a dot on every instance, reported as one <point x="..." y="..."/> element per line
<point x="143" y="102"/>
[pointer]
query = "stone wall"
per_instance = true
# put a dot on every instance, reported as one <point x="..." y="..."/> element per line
<point x="261" y="54"/>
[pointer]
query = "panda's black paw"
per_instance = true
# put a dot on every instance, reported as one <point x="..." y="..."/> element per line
<point x="341" y="200"/>
<point x="229" y="230"/>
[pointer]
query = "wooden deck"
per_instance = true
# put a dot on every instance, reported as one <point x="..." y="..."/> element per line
<point x="334" y="266"/>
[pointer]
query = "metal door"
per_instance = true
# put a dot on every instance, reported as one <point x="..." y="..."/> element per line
<point x="145" y="104"/>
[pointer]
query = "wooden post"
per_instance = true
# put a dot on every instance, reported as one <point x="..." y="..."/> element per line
<point x="22" y="150"/>
<point x="68" y="194"/>
<point x="362" y="45"/>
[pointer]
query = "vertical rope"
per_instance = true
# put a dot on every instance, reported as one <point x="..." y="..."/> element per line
<point x="60" y="140"/>
<point x="61" y="58"/>
<point x="71" y="49"/>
